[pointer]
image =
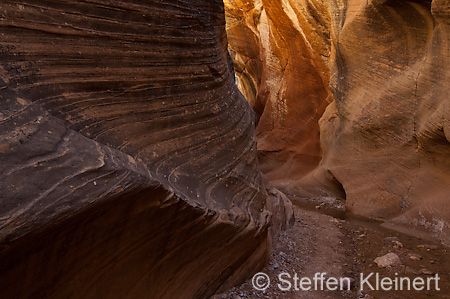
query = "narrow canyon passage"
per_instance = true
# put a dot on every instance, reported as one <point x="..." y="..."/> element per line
<point x="352" y="106"/>
<point x="352" y="103"/>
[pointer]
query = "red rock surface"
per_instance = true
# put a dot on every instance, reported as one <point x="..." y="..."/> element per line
<point x="385" y="136"/>
<point x="281" y="60"/>
<point x="127" y="155"/>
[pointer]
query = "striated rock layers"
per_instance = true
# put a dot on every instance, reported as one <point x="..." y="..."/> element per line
<point x="385" y="136"/>
<point x="280" y="51"/>
<point x="127" y="155"/>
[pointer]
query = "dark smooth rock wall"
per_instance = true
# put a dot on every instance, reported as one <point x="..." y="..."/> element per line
<point x="127" y="155"/>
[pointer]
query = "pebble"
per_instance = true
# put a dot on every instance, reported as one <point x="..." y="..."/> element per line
<point x="397" y="244"/>
<point x="390" y="240"/>
<point x="427" y="246"/>
<point x="409" y="270"/>
<point x="320" y="206"/>
<point x="389" y="260"/>
<point x="415" y="257"/>
<point x="361" y="293"/>
<point x="426" y="271"/>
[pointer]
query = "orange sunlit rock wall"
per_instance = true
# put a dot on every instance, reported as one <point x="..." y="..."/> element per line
<point x="385" y="136"/>
<point x="284" y="77"/>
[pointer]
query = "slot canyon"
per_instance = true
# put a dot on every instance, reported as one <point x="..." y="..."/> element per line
<point x="173" y="149"/>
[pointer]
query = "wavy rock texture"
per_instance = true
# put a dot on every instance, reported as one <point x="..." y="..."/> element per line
<point x="127" y="155"/>
<point x="280" y="51"/>
<point x="385" y="135"/>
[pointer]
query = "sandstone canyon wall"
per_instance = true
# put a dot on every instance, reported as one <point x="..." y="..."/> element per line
<point x="127" y="155"/>
<point x="385" y="134"/>
<point x="284" y="77"/>
<point x="386" y="137"/>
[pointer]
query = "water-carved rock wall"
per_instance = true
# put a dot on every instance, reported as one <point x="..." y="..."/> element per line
<point x="127" y="155"/>
<point x="385" y="136"/>
<point x="281" y="51"/>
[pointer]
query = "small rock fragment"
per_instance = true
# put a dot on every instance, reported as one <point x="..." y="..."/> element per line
<point x="390" y="240"/>
<point x="415" y="257"/>
<point x="389" y="260"/>
<point x="361" y="293"/>
<point x="425" y="271"/>
<point x="409" y="270"/>
<point x="361" y="236"/>
<point x="320" y="206"/>
<point x="397" y="244"/>
<point x="427" y="246"/>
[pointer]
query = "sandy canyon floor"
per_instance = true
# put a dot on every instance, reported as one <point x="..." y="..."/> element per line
<point x="346" y="248"/>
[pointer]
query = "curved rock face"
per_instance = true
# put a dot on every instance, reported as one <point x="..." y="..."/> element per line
<point x="385" y="136"/>
<point x="128" y="157"/>
<point x="281" y="51"/>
